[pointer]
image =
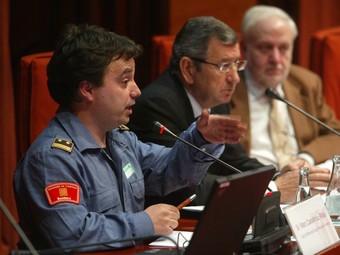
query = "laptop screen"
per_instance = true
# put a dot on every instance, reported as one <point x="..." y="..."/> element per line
<point x="229" y="211"/>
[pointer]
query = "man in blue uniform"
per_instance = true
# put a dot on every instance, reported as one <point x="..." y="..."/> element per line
<point x="84" y="179"/>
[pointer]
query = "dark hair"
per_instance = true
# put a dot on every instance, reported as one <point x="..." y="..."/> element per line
<point x="82" y="54"/>
<point x="193" y="39"/>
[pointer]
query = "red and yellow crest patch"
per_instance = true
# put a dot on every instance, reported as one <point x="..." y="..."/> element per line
<point x="62" y="192"/>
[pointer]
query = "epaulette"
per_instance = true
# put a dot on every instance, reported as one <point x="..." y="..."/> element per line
<point x="62" y="144"/>
<point x="123" y="128"/>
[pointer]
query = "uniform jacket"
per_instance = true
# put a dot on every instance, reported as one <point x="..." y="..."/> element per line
<point x="303" y="89"/>
<point x="69" y="191"/>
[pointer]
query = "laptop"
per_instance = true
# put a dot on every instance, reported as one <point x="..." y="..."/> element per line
<point x="231" y="206"/>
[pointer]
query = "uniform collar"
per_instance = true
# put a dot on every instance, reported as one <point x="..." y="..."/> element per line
<point x="80" y="135"/>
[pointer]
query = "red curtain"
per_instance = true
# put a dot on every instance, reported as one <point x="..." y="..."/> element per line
<point x="8" y="159"/>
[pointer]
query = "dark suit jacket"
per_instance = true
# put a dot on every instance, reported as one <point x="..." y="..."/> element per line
<point x="165" y="100"/>
<point x="304" y="89"/>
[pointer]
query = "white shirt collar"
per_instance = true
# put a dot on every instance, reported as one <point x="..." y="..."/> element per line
<point x="196" y="108"/>
<point x="257" y="91"/>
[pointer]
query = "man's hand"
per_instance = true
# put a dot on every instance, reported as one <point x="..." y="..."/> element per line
<point x="288" y="180"/>
<point x="221" y="128"/>
<point x="318" y="179"/>
<point x="294" y="166"/>
<point x="164" y="217"/>
<point x="287" y="183"/>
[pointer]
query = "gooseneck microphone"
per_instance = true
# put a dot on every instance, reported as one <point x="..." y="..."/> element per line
<point x="77" y="248"/>
<point x="161" y="128"/>
<point x="18" y="229"/>
<point x="272" y="94"/>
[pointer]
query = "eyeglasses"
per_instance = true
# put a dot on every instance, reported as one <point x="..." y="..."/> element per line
<point x="227" y="66"/>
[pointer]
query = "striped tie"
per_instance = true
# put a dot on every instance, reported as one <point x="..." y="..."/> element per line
<point x="281" y="145"/>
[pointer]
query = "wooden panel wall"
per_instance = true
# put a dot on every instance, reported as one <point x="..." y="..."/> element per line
<point x="229" y="11"/>
<point x="310" y="16"/>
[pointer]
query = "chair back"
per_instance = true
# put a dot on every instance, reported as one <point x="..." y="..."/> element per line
<point x="35" y="106"/>
<point x="161" y="53"/>
<point x="325" y="60"/>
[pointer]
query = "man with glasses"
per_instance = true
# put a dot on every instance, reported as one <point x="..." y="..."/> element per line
<point x="203" y="73"/>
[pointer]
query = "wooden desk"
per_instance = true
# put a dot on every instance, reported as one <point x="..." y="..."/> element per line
<point x="189" y="225"/>
<point x="183" y="225"/>
<point x="334" y="250"/>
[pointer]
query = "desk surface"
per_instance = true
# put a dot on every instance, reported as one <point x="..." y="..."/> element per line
<point x="189" y="225"/>
<point x="183" y="225"/>
<point x="334" y="250"/>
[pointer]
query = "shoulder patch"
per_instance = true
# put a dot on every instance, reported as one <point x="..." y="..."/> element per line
<point x="62" y="192"/>
<point x="123" y="128"/>
<point x="62" y="144"/>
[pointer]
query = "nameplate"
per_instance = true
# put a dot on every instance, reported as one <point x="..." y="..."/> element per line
<point x="311" y="225"/>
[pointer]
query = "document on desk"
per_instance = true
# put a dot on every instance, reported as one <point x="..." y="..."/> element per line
<point x="182" y="238"/>
<point x="197" y="208"/>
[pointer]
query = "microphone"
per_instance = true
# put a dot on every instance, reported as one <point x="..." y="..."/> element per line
<point x="18" y="229"/>
<point x="161" y="128"/>
<point x="77" y="248"/>
<point x="271" y="93"/>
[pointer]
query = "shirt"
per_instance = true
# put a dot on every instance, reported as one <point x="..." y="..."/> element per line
<point x="259" y="106"/>
<point x="101" y="195"/>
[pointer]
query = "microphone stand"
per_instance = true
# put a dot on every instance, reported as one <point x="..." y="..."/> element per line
<point x="271" y="93"/>
<point x="163" y="128"/>
<point x="21" y="233"/>
<point x="76" y="248"/>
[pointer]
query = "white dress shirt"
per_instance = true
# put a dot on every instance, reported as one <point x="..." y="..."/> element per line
<point x="259" y="107"/>
<point x="196" y="108"/>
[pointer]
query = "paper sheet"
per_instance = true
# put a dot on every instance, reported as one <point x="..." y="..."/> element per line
<point x="182" y="237"/>
<point x="197" y="208"/>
